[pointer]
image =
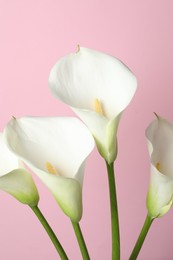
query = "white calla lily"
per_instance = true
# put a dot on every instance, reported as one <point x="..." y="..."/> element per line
<point x="160" y="143"/>
<point x="56" y="150"/>
<point x="98" y="87"/>
<point x="14" y="179"/>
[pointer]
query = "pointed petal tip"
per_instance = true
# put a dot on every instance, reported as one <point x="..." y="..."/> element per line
<point x="157" y="116"/>
<point x="78" y="48"/>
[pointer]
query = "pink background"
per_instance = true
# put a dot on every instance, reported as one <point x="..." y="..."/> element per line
<point x="33" y="35"/>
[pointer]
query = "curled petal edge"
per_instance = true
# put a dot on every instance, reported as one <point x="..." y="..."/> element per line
<point x="67" y="192"/>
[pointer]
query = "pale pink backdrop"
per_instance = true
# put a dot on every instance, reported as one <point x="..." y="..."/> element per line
<point x="33" y="35"/>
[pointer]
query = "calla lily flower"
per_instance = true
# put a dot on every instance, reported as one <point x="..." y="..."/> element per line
<point x="98" y="87"/>
<point x="14" y="179"/>
<point x="160" y="143"/>
<point x="56" y="150"/>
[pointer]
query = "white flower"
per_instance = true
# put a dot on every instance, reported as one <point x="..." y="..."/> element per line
<point x="160" y="142"/>
<point x="14" y="179"/>
<point x="56" y="150"/>
<point x="98" y="88"/>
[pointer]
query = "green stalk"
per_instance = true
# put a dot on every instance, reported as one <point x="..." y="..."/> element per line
<point x="50" y="232"/>
<point x="141" y="238"/>
<point x="81" y="241"/>
<point x="114" y="213"/>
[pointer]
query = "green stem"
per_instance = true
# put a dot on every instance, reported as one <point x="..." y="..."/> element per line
<point x="50" y="232"/>
<point x="141" y="238"/>
<point x="114" y="213"/>
<point x="81" y="241"/>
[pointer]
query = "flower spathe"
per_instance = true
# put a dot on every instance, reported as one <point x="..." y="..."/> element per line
<point x="56" y="150"/>
<point x="98" y="87"/>
<point x="14" y="179"/>
<point x="160" y="143"/>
